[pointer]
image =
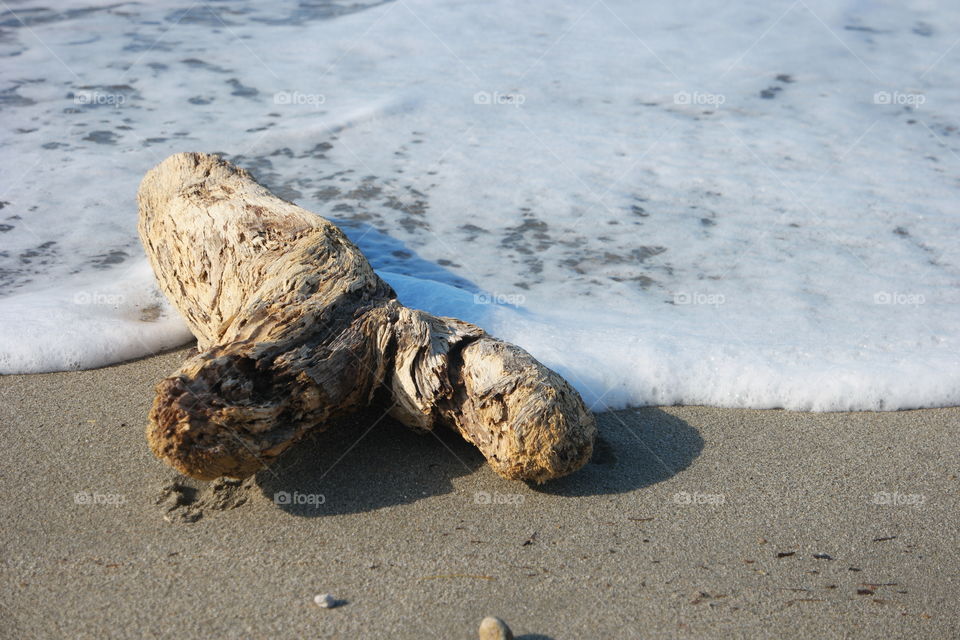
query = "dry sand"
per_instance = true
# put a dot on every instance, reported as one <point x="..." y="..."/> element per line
<point x="689" y="522"/>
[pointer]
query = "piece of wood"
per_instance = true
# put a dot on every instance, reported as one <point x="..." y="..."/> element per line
<point x="295" y="329"/>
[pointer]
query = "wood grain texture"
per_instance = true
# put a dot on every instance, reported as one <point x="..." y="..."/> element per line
<point x="295" y="329"/>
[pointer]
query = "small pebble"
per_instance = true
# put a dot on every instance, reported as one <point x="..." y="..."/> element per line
<point x="492" y="628"/>
<point x="325" y="601"/>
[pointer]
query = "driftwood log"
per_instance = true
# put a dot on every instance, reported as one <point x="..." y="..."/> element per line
<point x="294" y="329"/>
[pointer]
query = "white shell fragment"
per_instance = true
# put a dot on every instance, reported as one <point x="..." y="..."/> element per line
<point x="325" y="600"/>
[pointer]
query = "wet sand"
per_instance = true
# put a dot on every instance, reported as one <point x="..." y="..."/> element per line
<point x="689" y="522"/>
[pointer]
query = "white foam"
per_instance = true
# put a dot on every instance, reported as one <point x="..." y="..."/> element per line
<point x="96" y="323"/>
<point x="751" y="205"/>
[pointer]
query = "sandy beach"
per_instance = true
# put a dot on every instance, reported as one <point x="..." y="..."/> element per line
<point x="689" y="522"/>
<point x="672" y="206"/>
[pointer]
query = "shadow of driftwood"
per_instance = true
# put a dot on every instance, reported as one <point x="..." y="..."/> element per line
<point x="635" y="448"/>
<point x="389" y="254"/>
<point x="366" y="462"/>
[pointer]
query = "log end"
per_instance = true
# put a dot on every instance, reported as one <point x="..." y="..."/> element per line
<point x="527" y="420"/>
<point x="184" y="434"/>
<point x="551" y="443"/>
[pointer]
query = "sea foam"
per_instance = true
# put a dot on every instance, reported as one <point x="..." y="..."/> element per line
<point x="748" y="205"/>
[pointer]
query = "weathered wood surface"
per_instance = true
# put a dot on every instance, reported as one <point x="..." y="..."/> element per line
<point x="295" y="328"/>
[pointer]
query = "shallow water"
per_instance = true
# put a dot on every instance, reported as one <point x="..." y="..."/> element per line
<point x="750" y="205"/>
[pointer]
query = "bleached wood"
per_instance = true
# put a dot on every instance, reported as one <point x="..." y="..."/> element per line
<point x="295" y="328"/>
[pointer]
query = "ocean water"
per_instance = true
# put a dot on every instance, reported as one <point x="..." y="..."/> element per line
<point x="749" y="204"/>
